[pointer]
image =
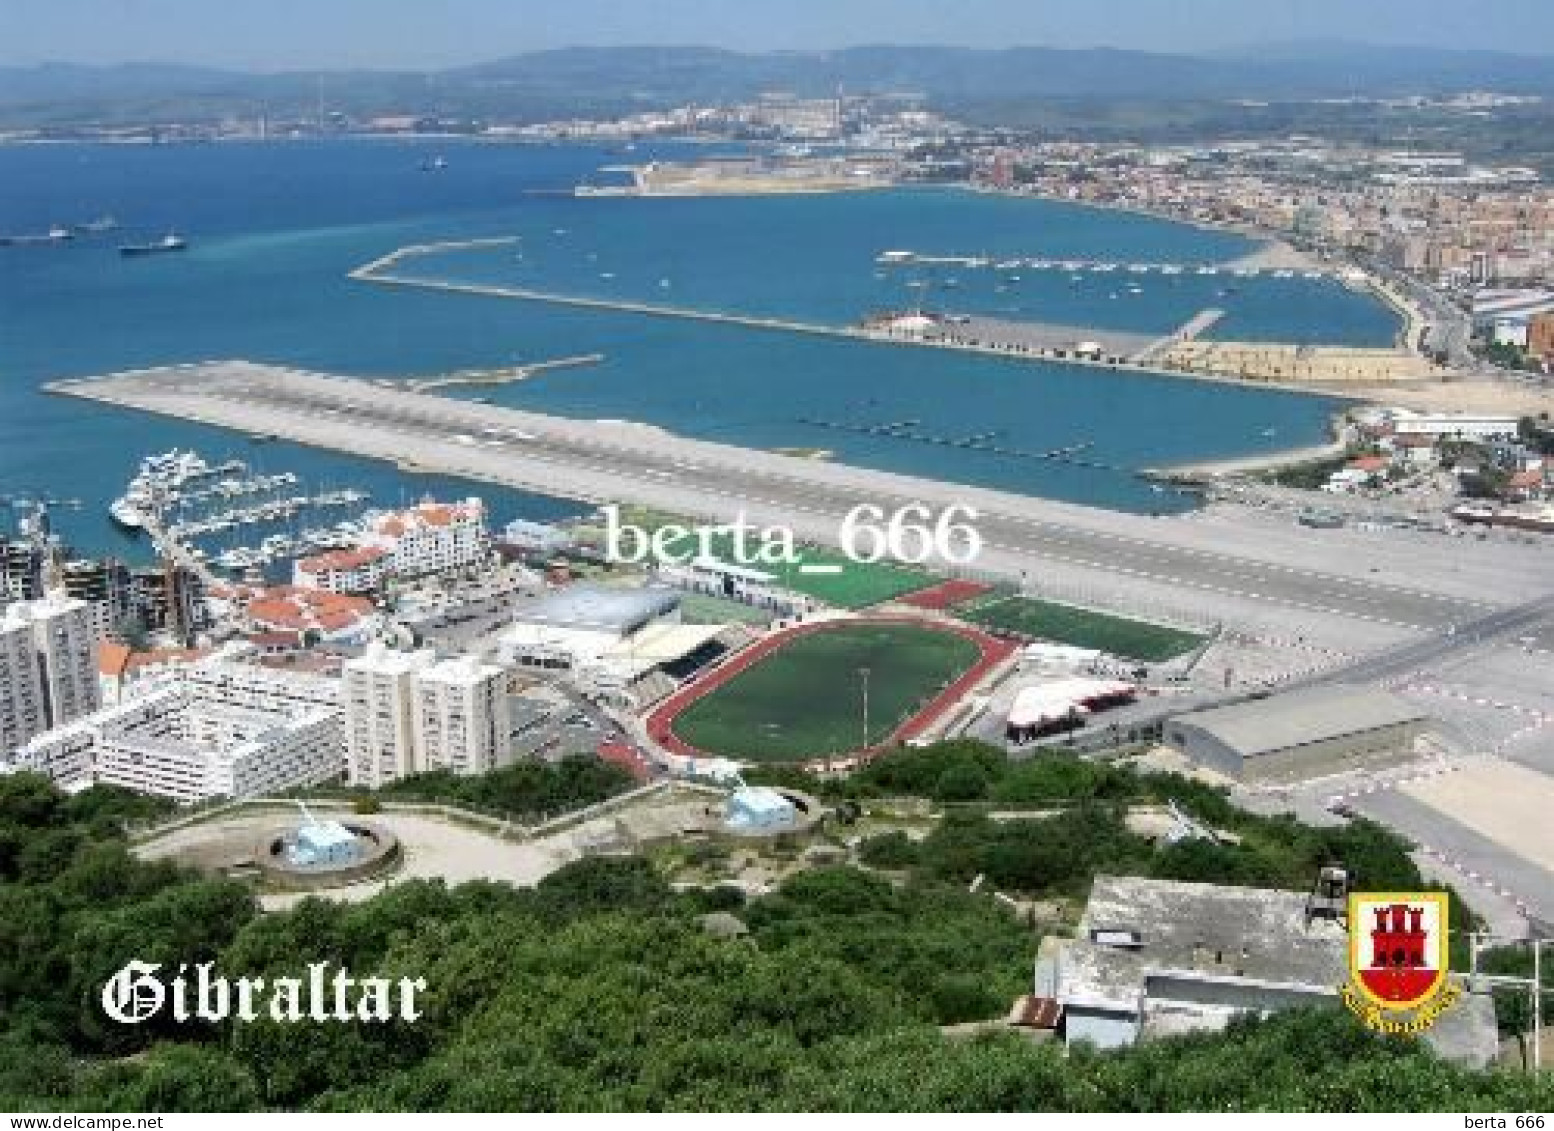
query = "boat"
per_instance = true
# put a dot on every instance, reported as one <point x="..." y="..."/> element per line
<point x="126" y="514"/>
<point x="169" y="242"/>
<point x="97" y="226"/>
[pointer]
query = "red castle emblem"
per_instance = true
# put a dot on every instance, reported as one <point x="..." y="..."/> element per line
<point x="1397" y="946"/>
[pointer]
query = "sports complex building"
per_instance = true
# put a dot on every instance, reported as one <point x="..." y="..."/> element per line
<point x="616" y="638"/>
<point x="1301" y="734"/>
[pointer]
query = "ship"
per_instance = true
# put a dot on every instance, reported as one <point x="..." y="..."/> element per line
<point x="169" y="242"/>
<point x="126" y="514"/>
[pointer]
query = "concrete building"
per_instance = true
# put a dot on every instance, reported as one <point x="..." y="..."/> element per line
<point x="430" y="537"/>
<point x="50" y="665"/>
<point x="1158" y="958"/>
<point x="406" y="713"/>
<point x="754" y="587"/>
<point x="1454" y="426"/>
<point x="379" y="715"/>
<point x="220" y="728"/>
<point x="342" y="571"/>
<point x="22" y="713"/>
<point x="611" y="638"/>
<point x="461" y="717"/>
<point x="1299" y="735"/>
<point x="1161" y="957"/>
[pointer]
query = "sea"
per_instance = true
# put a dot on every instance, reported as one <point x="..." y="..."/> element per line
<point x="274" y="227"/>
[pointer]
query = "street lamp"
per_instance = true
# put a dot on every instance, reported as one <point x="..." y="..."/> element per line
<point x="864" y="675"/>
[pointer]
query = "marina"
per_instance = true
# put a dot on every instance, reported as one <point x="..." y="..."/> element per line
<point x="903" y="258"/>
<point x="194" y="510"/>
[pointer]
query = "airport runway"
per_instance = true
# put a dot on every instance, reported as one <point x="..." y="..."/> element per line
<point x="605" y="461"/>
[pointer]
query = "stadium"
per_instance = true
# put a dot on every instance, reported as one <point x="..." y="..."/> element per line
<point x="827" y="694"/>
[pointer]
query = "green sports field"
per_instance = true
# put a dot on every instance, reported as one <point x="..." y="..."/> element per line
<point x="854" y="586"/>
<point x="1082" y="628"/>
<point x="806" y="699"/>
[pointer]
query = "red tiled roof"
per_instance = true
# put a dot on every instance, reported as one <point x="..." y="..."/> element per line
<point x="113" y="659"/>
<point x="1369" y="463"/>
<point x="342" y="560"/>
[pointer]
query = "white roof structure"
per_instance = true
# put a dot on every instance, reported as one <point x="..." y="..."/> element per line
<point x="1058" y="699"/>
<point x="595" y="608"/>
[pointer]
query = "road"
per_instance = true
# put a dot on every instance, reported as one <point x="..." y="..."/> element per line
<point x="617" y="461"/>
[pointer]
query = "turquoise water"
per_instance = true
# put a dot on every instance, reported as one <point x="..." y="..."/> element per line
<point x="274" y="228"/>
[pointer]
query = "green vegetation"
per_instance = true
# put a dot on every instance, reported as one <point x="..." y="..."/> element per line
<point x="525" y="791"/>
<point x="857" y="585"/>
<point x="1309" y="474"/>
<point x="1087" y="833"/>
<point x="806" y="699"/>
<point x="599" y="989"/>
<point x="1082" y="628"/>
<point x="1537" y="433"/>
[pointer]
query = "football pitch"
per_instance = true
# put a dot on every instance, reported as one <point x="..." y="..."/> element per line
<point x="805" y="700"/>
<point x="1082" y="628"/>
<point x="819" y="573"/>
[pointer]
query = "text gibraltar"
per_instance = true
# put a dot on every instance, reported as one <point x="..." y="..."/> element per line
<point x="137" y="993"/>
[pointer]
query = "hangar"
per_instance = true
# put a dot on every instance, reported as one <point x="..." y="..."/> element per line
<point x="1301" y="734"/>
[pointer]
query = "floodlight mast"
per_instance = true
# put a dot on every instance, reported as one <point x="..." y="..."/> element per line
<point x="1479" y="940"/>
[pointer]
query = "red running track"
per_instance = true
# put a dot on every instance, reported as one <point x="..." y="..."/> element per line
<point x="660" y="722"/>
<point x="946" y="593"/>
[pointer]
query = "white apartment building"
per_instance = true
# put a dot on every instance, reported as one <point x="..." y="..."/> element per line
<point x="428" y="538"/>
<point x="216" y="729"/>
<point x="343" y="571"/>
<point x="405" y="714"/>
<point x="379" y="726"/>
<point x="431" y="537"/>
<point x="461" y="716"/>
<point x="48" y="666"/>
<point x="21" y="684"/>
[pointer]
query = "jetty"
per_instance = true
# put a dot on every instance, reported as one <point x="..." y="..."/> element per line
<point x="1189" y="331"/>
<point x="906" y="258"/>
<point x="502" y="376"/>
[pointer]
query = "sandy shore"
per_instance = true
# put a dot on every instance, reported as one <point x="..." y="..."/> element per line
<point x="1260" y="461"/>
<point x="1489" y="396"/>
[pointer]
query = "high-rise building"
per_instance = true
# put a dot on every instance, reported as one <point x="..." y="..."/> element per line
<point x="379" y="721"/>
<point x="49" y="666"/>
<point x="21" y="685"/>
<point x="461" y="716"/>
<point x="406" y="713"/>
<point x="22" y="564"/>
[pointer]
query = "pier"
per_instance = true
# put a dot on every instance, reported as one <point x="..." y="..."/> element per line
<point x="981" y="442"/>
<point x="504" y="376"/>
<point x="1095" y="266"/>
<point x="1189" y="331"/>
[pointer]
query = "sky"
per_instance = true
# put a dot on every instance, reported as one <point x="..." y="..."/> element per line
<point x="425" y="34"/>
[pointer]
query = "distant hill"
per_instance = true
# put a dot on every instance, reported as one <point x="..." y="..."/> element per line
<point x="599" y="80"/>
